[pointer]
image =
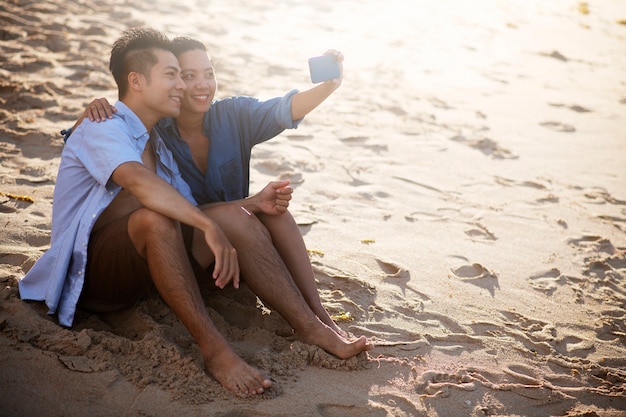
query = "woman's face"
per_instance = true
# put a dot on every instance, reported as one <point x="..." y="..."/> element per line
<point x="199" y="75"/>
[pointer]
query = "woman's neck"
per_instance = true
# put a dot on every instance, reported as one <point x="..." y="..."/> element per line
<point x="190" y="123"/>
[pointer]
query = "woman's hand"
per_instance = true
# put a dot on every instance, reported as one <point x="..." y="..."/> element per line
<point x="99" y="110"/>
<point x="274" y="198"/>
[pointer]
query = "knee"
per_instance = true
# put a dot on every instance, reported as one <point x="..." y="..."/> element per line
<point x="235" y="219"/>
<point x="148" y="222"/>
<point x="251" y="223"/>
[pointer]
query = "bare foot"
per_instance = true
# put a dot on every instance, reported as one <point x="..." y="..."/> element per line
<point x="323" y="315"/>
<point x="234" y="374"/>
<point x="327" y="320"/>
<point x="320" y="334"/>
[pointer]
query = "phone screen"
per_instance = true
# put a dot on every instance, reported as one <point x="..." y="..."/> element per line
<point x="322" y="68"/>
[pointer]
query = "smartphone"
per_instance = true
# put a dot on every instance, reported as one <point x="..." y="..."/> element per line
<point x="323" y="67"/>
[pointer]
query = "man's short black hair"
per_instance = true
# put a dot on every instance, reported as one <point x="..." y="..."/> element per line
<point x="134" y="52"/>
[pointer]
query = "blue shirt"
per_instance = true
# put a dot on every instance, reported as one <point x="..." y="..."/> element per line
<point x="233" y="126"/>
<point x="84" y="188"/>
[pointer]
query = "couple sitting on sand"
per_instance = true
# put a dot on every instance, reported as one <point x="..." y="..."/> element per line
<point x="158" y="195"/>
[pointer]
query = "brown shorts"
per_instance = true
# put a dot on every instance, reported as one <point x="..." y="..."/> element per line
<point x="117" y="276"/>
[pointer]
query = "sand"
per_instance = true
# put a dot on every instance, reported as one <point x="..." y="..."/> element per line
<point x="462" y="195"/>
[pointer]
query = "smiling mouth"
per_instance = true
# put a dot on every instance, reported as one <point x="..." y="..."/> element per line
<point x="177" y="99"/>
<point x="204" y="97"/>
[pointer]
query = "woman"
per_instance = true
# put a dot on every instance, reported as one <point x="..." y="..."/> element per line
<point x="212" y="143"/>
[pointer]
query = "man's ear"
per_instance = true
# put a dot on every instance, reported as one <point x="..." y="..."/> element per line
<point x="135" y="80"/>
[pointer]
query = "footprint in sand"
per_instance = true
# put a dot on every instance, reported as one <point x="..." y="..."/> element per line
<point x="424" y="216"/>
<point x="510" y="183"/>
<point x="487" y="146"/>
<point x="558" y="126"/>
<point x="604" y="273"/>
<point x="335" y="284"/>
<point x="535" y="335"/>
<point x="438" y="384"/>
<point x="392" y="270"/>
<point x="395" y="110"/>
<point x="355" y="171"/>
<point x="613" y="268"/>
<point x="361" y="142"/>
<point x="480" y="232"/>
<point x="573" y="107"/>
<point x="440" y="104"/>
<point x="384" y="405"/>
<point x="550" y="198"/>
<point x="547" y="282"/>
<point x="478" y="275"/>
<point x="555" y="55"/>
<point x="617" y="222"/>
<point x="300" y="137"/>
<point x="392" y="273"/>
<point x="420" y="185"/>
<point x="600" y="196"/>
<point x="613" y="325"/>
<point x="574" y="346"/>
<point x="592" y="243"/>
<point x="474" y="271"/>
<point x="583" y="377"/>
<point x="377" y="406"/>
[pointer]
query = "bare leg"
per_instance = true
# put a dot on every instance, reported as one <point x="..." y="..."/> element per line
<point x="159" y="240"/>
<point x="290" y="245"/>
<point x="267" y="276"/>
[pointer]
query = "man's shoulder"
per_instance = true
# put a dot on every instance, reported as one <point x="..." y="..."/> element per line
<point x="116" y="124"/>
<point x="117" y="128"/>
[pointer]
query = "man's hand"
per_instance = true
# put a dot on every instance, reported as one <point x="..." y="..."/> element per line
<point x="226" y="264"/>
<point x="156" y="194"/>
<point x="274" y="198"/>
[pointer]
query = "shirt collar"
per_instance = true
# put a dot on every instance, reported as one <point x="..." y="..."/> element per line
<point x="137" y="128"/>
<point x="168" y="124"/>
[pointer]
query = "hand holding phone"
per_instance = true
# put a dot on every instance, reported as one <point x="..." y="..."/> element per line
<point x="323" y="68"/>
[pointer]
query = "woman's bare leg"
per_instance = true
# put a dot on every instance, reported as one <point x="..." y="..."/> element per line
<point x="266" y="275"/>
<point x="290" y="245"/>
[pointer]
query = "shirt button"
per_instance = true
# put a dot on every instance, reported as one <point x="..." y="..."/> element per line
<point x="93" y="216"/>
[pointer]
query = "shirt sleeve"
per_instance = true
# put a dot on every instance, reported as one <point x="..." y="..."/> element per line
<point x="266" y="119"/>
<point x="101" y="151"/>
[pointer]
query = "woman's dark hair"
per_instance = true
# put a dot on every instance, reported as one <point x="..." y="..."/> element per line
<point x="182" y="44"/>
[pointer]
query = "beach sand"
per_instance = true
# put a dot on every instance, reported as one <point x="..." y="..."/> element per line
<point x="462" y="196"/>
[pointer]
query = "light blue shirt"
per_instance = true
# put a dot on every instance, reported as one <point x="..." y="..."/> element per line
<point x="233" y="125"/>
<point x="84" y="188"/>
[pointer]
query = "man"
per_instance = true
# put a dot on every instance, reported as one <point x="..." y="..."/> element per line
<point x="124" y="220"/>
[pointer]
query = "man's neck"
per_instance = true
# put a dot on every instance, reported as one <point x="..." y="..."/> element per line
<point x="146" y="115"/>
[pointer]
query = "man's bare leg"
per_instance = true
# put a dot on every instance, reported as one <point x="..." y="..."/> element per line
<point x="290" y="245"/>
<point x="267" y="276"/>
<point x="159" y="240"/>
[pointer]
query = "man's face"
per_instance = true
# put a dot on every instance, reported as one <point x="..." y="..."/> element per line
<point x="199" y="76"/>
<point x="165" y="89"/>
